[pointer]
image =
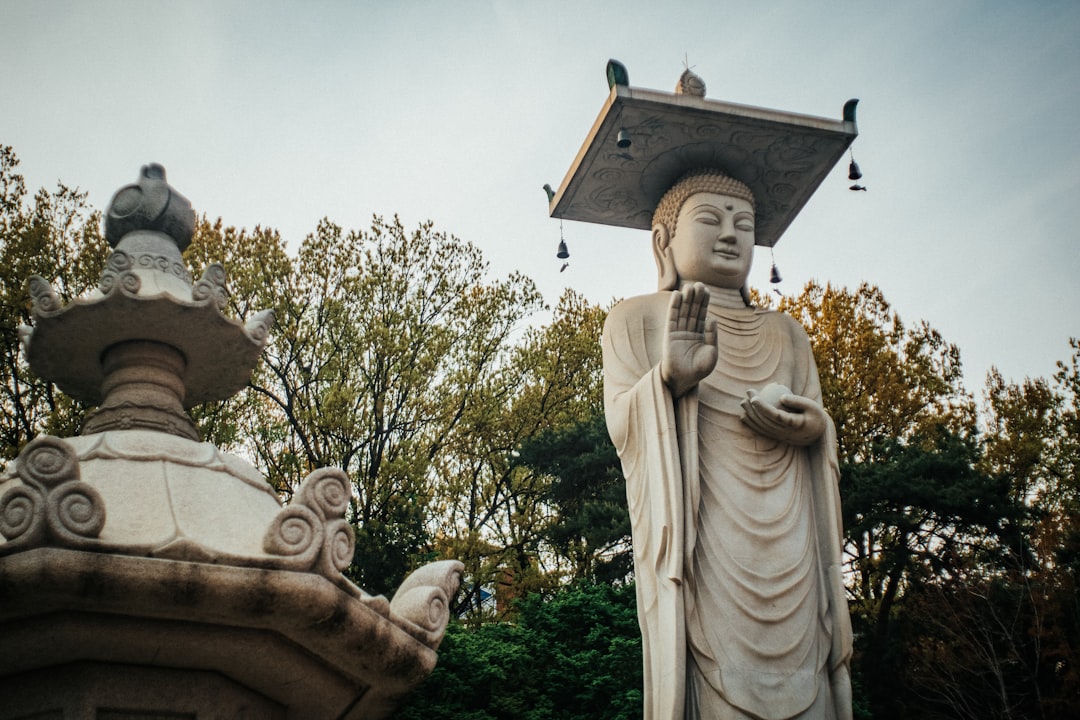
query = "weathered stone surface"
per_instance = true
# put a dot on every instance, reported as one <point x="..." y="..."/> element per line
<point x="294" y="639"/>
<point x="86" y="690"/>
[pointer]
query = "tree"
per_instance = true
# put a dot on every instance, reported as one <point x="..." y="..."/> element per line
<point x="260" y="275"/>
<point x="57" y="237"/>
<point x="968" y="655"/>
<point x="917" y="517"/>
<point x="915" y="500"/>
<point x="495" y="510"/>
<point x="881" y="379"/>
<point x="383" y="345"/>
<point x="986" y="621"/>
<point x="1033" y="440"/>
<point x="575" y="654"/>
<point x="590" y="526"/>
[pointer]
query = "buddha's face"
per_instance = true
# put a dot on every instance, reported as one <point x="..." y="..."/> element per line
<point x="714" y="240"/>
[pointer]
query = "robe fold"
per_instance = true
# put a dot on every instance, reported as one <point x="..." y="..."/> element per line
<point x="737" y="537"/>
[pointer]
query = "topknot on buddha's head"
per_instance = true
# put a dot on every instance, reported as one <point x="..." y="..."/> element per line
<point x="693" y="182"/>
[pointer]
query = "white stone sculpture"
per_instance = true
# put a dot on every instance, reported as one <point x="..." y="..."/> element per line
<point x="715" y="406"/>
<point x="733" y="492"/>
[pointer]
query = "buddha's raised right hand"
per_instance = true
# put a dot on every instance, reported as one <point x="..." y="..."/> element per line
<point x="690" y="341"/>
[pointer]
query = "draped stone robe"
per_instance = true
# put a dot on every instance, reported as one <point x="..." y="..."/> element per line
<point x="736" y="536"/>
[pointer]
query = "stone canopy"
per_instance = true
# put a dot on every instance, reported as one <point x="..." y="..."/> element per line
<point x="644" y="140"/>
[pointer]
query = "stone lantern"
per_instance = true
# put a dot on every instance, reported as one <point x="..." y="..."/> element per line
<point x="145" y="574"/>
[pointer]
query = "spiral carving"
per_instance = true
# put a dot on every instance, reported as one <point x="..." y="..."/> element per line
<point x="215" y="274"/>
<point x="258" y="327"/>
<point x="119" y="261"/>
<point x="76" y="509"/>
<point x="327" y="492"/>
<point x="211" y="286"/>
<point x="201" y="290"/>
<point x="53" y="504"/>
<point x="48" y="461"/>
<point x="107" y="282"/>
<point x="423" y="600"/>
<point x="21" y="510"/>
<point x="127" y="281"/>
<point x="425" y="611"/>
<point x="295" y="531"/>
<point x="313" y="527"/>
<point x="181" y="272"/>
<point x="130" y="283"/>
<point x="154" y="262"/>
<point x="439" y="610"/>
<point x="42" y="295"/>
<point x="338" y="547"/>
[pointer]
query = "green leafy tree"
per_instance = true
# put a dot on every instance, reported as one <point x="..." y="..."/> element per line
<point x="54" y="235"/>
<point x="260" y="275"/>
<point x="1033" y="442"/>
<point x="882" y="380"/>
<point x="590" y="526"/>
<point x="930" y="515"/>
<point x="573" y="655"/>
<point x="916" y="502"/>
<point x="495" y="511"/>
<point x="384" y="343"/>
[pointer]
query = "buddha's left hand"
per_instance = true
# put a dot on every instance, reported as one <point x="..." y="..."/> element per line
<point x="796" y="420"/>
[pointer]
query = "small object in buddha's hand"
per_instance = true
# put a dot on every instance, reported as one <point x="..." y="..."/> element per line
<point x="772" y="393"/>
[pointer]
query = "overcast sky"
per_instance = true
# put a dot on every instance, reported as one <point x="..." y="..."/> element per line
<point x="278" y="114"/>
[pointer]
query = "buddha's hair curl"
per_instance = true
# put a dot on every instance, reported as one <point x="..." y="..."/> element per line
<point x="697" y="181"/>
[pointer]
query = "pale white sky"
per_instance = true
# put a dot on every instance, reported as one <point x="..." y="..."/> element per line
<point x="278" y="114"/>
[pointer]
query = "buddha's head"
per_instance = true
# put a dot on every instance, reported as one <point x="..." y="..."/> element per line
<point x="703" y="231"/>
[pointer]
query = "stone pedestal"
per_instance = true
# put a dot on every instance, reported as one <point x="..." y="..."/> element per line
<point x="85" y="633"/>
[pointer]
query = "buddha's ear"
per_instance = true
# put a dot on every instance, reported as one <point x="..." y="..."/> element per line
<point x="667" y="278"/>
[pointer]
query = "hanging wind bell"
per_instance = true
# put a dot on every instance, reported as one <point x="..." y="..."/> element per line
<point x="774" y="274"/>
<point x="563" y="252"/>
<point x="854" y="173"/>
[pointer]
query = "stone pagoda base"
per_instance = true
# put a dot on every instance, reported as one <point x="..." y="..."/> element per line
<point x="90" y="636"/>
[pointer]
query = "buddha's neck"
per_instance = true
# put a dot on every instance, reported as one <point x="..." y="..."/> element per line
<point x="721" y="297"/>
